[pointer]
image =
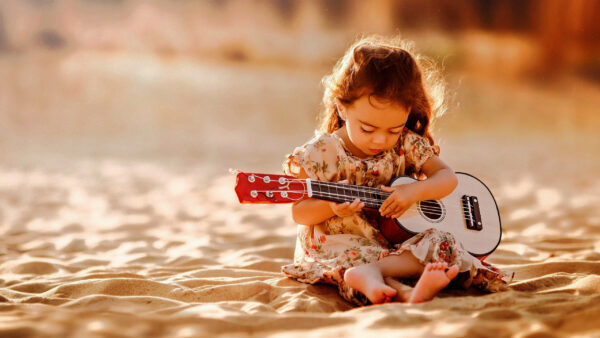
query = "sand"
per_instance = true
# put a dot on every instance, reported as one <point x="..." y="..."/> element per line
<point x="126" y="248"/>
<point x="157" y="245"/>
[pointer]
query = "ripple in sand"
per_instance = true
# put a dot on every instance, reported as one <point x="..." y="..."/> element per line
<point x="36" y="267"/>
<point x="499" y="314"/>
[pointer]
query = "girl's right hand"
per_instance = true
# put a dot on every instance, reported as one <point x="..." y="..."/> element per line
<point x="346" y="209"/>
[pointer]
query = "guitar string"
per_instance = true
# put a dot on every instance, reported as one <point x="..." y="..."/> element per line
<point x="351" y="188"/>
<point x="366" y="199"/>
<point x="432" y="211"/>
<point x="359" y="189"/>
<point x="345" y="186"/>
<point x="371" y="190"/>
<point x="373" y="202"/>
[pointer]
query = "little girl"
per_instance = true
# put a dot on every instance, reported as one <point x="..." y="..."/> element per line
<point x="376" y="127"/>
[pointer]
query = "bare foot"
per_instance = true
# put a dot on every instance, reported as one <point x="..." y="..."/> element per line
<point x="368" y="280"/>
<point x="404" y="291"/>
<point x="434" y="278"/>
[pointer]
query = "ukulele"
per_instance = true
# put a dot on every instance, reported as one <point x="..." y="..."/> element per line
<point x="470" y="212"/>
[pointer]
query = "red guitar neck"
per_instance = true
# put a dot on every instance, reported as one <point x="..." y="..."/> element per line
<point x="267" y="188"/>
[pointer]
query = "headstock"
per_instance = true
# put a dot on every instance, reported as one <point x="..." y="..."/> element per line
<point x="268" y="188"/>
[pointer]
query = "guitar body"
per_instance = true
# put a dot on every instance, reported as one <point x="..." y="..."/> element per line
<point x="469" y="213"/>
<point x="448" y="214"/>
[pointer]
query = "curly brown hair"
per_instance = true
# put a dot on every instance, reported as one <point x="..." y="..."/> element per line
<point x="388" y="69"/>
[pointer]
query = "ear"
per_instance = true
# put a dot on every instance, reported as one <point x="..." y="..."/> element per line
<point x="340" y="108"/>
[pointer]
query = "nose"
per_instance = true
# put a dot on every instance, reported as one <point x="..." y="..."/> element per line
<point x="379" y="139"/>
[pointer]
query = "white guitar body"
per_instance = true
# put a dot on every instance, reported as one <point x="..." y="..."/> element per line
<point x="470" y="213"/>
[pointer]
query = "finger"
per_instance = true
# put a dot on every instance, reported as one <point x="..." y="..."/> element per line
<point x="383" y="211"/>
<point x="354" y="205"/>
<point x="395" y="212"/>
<point x="387" y="207"/>
<point x="341" y="210"/>
<point x="358" y="207"/>
<point x="398" y="213"/>
<point x="338" y="206"/>
<point x="384" y="206"/>
<point x="386" y="189"/>
<point x="343" y="181"/>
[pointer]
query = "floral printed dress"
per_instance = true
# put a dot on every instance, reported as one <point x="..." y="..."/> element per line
<point x="326" y="250"/>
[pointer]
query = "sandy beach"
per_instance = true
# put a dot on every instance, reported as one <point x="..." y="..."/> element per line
<point x="139" y="248"/>
<point x="118" y="216"/>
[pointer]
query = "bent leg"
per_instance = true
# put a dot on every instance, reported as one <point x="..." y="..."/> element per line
<point x="368" y="278"/>
<point x="403" y="291"/>
<point x="434" y="278"/>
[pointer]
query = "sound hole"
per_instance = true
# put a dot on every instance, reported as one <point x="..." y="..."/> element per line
<point x="431" y="209"/>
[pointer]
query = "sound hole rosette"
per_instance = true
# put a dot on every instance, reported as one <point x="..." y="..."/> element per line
<point x="432" y="210"/>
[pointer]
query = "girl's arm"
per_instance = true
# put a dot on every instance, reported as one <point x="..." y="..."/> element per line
<point x="440" y="182"/>
<point x="312" y="211"/>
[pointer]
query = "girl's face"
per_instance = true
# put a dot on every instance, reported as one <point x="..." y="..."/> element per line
<point x="373" y="125"/>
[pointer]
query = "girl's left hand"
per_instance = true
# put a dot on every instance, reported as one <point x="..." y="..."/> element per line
<point x="398" y="202"/>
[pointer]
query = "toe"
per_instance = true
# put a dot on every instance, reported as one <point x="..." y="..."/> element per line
<point x="452" y="272"/>
<point x="389" y="291"/>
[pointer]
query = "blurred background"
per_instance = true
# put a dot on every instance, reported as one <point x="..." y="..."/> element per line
<point x="236" y="84"/>
<point x="120" y="120"/>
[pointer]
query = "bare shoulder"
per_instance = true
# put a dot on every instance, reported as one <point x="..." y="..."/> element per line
<point x="433" y="165"/>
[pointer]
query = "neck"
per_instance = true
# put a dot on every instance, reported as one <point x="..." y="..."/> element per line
<point x="340" y="193"/>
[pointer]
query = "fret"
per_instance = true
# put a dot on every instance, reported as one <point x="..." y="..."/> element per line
<point x="340" y="193"/>
<point x="377" y="198"/>
<point x="362" y="195"/>
<point x="318" y="190"/>
<point x="371" y="197"/>
<point x="350" y="193"/>
<point x="381" y="196"/>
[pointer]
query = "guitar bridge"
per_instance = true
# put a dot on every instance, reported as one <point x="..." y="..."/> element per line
<point x="472" y="213"/>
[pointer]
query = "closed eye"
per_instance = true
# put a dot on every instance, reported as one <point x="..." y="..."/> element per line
<point x="366" y="131"/>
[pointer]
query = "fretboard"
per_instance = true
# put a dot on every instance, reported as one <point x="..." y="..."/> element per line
<point x="340" y="193"/>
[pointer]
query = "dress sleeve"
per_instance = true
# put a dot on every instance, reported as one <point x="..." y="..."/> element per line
<point x="417" y="150"/>
<point x="318" y="158"/>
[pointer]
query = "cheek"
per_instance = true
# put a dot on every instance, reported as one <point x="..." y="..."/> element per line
<point x="356" y="135"/>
